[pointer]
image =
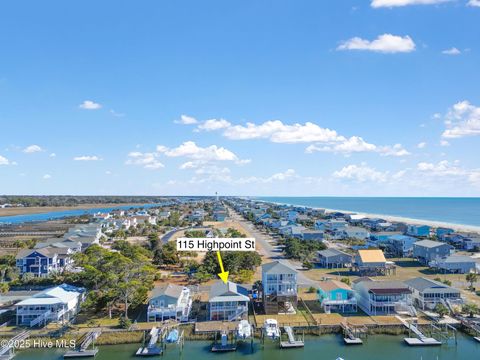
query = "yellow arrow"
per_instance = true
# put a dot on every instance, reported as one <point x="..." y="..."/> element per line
<point x="224" y="274"/>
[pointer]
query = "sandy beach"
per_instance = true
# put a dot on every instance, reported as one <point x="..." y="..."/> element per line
<point x="393" y="218"/>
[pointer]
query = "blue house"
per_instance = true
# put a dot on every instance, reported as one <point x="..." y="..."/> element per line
<point x="441" y="232"/>
<point x="43" y="262"/>
<point x="418" y="230"/>
<point x="320" y="224"/>
<point x="336" y="296"/>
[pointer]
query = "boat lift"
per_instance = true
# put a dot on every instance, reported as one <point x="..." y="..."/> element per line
<point x="151" y="349"/>
<point x="292" y="342"/>
<point x="83" y="351"/>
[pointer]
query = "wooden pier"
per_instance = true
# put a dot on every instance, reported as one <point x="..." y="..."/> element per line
<point x="351" y="335"/>
<point x="7" y="352"/>
<point x="151" y="349"/>
<point x="224" y="345"/>
<point x="83" y="351"/>
<point x="421" y="339"/>
<point x="292" y="342"/>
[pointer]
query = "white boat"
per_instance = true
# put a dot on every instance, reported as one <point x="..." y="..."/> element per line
<point x="271" y="328"/>
<point x="244" y="330"/>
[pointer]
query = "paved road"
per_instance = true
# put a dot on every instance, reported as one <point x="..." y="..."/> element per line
<point x="268" y="250"/>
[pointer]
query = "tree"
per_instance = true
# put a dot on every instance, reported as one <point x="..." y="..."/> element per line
<point x="4" y="287"/>
<point x="346" y="281"/>
<point x="167" y="254"/>
<point x="244" y="276"/>
<point x="472" y="279"/>
<point x="470" y="309"/>
<point x="307" y="265"/>
<point x="441" y="310"/>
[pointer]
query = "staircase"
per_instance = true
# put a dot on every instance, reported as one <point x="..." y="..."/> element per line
<point x="40" y="318"/>
<point x="240" y="311"/>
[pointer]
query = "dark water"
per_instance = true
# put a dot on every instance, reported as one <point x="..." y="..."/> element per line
<point x="465" y="211"/>
<point x="61" y="214"/>
<point x="328" y="347"/>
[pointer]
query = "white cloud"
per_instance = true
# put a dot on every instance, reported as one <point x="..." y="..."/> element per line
<point x="147" y="160"/>
<point x="451" y="51"/>
<point x="452" y="171"/>
<point x="352" y="145"/>
<point x="444" y="143"/>
<point x="278" y="132"/>
<point x="289" y="174"/>
<point x="4" y="161"/>
<point x="87" y="158"/>
<point x="214" y="124"/>
<point x="52" y="155"/>
<point x="356" y="144"/>
<point x="462" y="119"/>
<point x="90" y="105"/>
<point x="422" y="145"/>
<point x="32" y="149"/>
<point x="186" y="120"/>
<point x="47" y="176"/>
<point x="474" y="3"/>
<point x="396" y="3"/>
<point x="395" y="150"/>
<point x="191" y="150"/>
<point x="116" y="114"/>
<point x="360" y="173"/>
<point x="386" y="43"/>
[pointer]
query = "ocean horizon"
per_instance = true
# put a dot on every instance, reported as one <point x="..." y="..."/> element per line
<point x="454" y="210"/>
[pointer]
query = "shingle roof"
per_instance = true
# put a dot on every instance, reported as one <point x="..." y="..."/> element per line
<point x="371" y="256"/>
<point x="421" y="284"/>
<point x="277" y="267"/>
<point x="220" y="292"/>
<point x="385" y="287"/>
<point x="429" y="243"/>
<point x="330" y="285"/>
<point x="171" y="290"/>
<point x="332" y="252"/>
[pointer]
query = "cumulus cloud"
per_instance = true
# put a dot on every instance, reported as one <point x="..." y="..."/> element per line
<point x="356" y="144"/>
<point x="186" y="120"/>
<point x="32" y="149"/>
<point x="89" y="105"/>
<point x="397" y="3"/>
<point x="148" y="160"/>
<point x="4" y="160"/>
<point x="386" y="43"/>
<point x="450" y="170"/>
<point x="47" y="176"/>
<point x="87" y="158"/>
<point x="422" y="145"/>
<point x="474" y="3"/>
<point x="278" y="132"/>
<point x="289" y="174"/>
<point x="191" y="150"/>
<point x="462" y="119"/>
<point x="451" y="51"/>
<point x="214" y="124"/>
<point x="360" y="173"/>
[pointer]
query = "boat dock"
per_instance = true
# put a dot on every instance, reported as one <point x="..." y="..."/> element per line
<point x="7" y="351"/>
<point x="350" y="334"/>
<point x="224" y="345"/>
<point x="421" y="339"/>
<point x="151" y="349"/>
<point x="83" y="351"/>
<point x="292" y="342"/>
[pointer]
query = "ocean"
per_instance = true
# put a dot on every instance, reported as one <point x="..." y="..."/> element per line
<point x="463" y="211"/>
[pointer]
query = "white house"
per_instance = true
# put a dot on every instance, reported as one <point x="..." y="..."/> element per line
<point x="279" y="282"/>
<point x="169" y="302"/>
<point x="60" y="303"/>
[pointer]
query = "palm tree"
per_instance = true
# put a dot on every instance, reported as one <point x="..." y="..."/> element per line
<point x="472" y="279"/>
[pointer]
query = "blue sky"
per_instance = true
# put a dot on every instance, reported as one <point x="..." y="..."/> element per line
<point x="349" y="98"/>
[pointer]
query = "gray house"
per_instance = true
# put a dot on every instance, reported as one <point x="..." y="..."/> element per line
<point x="333" y="258"/>
<point x="428" y="250"/>
<point x="427" y="293"/>
<point x="312" y="235"/>
<point x="459" y="264"/>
